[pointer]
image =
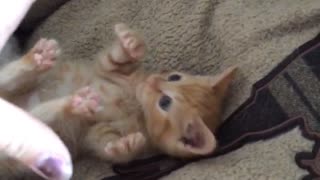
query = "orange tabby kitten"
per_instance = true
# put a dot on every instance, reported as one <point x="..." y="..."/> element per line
<point x="113" y="110"/>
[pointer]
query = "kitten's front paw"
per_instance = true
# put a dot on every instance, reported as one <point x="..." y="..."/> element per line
<point x="126" y="148"/>
<point x="85" y="102"/>
<point x="132" y="43"/>
<point x="44" y="53"/>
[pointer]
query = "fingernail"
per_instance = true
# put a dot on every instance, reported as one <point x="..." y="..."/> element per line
<point x="55" y="169"/>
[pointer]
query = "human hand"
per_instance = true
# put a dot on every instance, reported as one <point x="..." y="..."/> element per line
<point x="22" y="137"/>
<point x="27" y="140"/>
<point x="11" y="14"/>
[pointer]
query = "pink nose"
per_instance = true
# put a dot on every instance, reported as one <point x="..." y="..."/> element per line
<point x="154" y="82"/>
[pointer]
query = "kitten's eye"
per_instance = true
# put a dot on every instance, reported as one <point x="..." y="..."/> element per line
<point x="165" y="102"/>
<point x="174" y="77"/>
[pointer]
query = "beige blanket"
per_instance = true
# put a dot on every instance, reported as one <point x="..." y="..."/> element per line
<point x="200" y="36"/>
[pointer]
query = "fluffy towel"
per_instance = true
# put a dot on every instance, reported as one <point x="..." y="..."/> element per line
<point x="199" y="36"/>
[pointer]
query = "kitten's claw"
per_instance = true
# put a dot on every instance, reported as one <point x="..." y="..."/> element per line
<point x="132" y="43"/>
<point x="85" y="102"/>
<point x="125" y="148"/>
<point x="44" y="53"/>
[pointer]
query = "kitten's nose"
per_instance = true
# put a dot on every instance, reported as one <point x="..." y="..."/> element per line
<point x="154" y="81"/>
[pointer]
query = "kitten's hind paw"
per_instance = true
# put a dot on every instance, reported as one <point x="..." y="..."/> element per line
<point x="85" y="102"/>
<point x="43" y="54"/>
<point x="126" y="148"/>
<point x="132" y="43"/>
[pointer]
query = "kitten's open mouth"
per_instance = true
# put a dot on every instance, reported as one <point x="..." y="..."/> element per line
<point x="196" y="141"/>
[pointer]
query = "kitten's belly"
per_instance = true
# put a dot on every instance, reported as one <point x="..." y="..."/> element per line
<point x="120" y="109"/>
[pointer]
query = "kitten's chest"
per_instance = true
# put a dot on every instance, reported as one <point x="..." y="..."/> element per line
<point x="120" y="107"/>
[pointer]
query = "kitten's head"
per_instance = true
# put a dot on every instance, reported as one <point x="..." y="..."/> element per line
<point x="182" y="111"/>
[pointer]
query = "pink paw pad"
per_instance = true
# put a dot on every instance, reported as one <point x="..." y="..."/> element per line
<point x="131" y="41"/>
<point x="85" y="102"/>
<point x="44" y="53"/>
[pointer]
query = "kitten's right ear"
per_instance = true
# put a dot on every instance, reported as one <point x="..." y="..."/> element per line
<point x="221" y="82"/>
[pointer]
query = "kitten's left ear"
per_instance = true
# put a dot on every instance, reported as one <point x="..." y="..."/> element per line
<point x="221" y="82"/>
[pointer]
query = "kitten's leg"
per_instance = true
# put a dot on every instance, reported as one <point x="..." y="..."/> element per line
<point x="83" y="104"/>
<point x="124" y="53"/>
<point x="22" y="74"/>
<point x="108" y="144"/>
<point x="126" y="148"/>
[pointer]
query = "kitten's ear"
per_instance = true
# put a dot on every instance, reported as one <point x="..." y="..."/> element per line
<point x="197" y="139"/>
<point x="221" y="82"/>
